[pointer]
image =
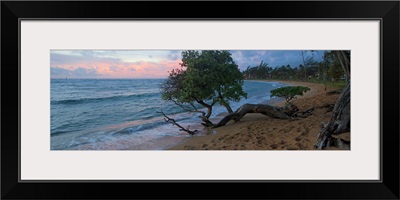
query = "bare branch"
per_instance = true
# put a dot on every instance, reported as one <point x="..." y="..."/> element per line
<point x="188" y="109"/>
<point x="173" y="121"/>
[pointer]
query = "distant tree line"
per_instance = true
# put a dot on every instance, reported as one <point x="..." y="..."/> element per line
<point x="329" y="69"/>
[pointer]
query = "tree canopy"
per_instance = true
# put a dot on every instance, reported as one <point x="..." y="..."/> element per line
<point x="289" y="92"/>
<point x="205" y="77"/>
<point x="329" y="69"/>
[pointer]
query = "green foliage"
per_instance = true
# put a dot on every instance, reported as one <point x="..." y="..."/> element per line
<point x="334" y="69"/>
<point x="339" y="84"/>
<point x="205" y="77"/>
<point x="289" y="92"/>
<point x="335" y="72"/>
<point x="260" y="71"/>
<point x="329" y="69"/>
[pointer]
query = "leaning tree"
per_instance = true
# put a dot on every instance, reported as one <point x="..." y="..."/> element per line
<point x="210" y="77"/>
<point x="340" y="120"/>
<point x="205" y="78"/>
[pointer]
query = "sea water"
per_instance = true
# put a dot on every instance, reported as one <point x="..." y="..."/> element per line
<point x="124" y="114"/>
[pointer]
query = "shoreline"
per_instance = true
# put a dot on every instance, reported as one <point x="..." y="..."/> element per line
<point x="258" y="132"/>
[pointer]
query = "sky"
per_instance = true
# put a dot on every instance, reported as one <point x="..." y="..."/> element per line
<point x="153" y="64"/>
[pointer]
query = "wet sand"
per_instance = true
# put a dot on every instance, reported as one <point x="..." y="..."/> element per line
<point x="258" y="132"/>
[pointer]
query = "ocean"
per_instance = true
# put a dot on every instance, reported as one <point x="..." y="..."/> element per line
<point x="123" y="114"/>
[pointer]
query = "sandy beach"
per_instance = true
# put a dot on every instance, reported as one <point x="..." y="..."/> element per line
<point x="259" y="132"/>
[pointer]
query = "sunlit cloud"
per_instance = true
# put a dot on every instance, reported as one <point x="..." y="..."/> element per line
<point x="123" y="64"/>
<point x="152" y="64"/>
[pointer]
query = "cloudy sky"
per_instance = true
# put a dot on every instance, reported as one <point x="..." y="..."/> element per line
<point x="152" y="64"/>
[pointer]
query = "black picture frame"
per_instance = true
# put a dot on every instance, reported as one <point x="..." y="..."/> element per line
<point x="386" y="11"/>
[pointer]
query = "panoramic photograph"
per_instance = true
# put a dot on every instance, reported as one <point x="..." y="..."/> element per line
<point x="200" y="100"/>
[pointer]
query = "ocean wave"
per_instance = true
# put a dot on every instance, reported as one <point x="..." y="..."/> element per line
<point x="143" y="127"/>
<point x="147" y="126"/>
<point x="91" y="100"/>
<point x="130" y="117"/>
<point x="53" y="133"/>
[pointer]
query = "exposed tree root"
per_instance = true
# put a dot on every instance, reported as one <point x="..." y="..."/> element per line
<point x="308" y="112"/>
<point x="334" y="92"/>
<point x="329" y="141"/>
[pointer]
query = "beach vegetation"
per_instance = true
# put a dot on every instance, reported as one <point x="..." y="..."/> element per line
<point x="289" y="92"/>
<point x="205" y="78"/>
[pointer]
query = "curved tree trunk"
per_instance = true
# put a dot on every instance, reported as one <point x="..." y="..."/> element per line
<point x="339" y="123"/>
<point x="206" y="116"/>
<point x="272" y="111"/>
<point x="345" y="63"/>
<point x="228" y="108"/>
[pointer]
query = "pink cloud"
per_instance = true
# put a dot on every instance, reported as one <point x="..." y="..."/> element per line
<point x="117" y="69"/>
